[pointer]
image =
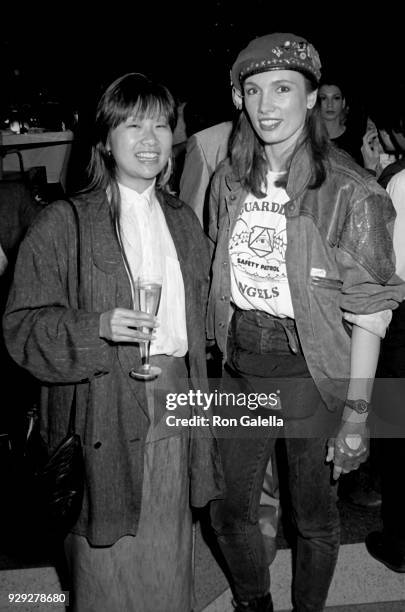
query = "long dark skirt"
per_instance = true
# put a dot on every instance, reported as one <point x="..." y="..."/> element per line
<point x="151" y="572"/>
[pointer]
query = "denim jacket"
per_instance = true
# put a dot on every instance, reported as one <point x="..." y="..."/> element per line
<point x="339" y="260"/>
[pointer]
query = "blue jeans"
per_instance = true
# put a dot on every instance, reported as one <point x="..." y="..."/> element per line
<point x="313" y="496"/>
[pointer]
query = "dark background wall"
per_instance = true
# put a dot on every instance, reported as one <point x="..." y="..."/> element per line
<point x="190" y="46"/>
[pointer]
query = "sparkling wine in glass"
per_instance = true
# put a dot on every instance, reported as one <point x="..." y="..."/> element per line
<point x="148" y="290"/>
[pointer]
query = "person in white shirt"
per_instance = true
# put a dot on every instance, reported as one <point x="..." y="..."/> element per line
<point x="388" y="545"/>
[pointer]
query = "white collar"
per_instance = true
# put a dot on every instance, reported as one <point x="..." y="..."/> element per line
<point x="131" y="196"/>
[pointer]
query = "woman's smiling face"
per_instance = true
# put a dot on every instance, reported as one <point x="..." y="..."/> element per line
<point x="277" y="103"/>
<point x="141" y="146"/>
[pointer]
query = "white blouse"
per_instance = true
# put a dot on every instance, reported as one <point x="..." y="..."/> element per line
<point x="150" y="249"/>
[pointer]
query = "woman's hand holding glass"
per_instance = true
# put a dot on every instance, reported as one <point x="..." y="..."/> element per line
<point x="124" y="325"/>
<point x="137" y="325"/>
<point x="147" y="294"/>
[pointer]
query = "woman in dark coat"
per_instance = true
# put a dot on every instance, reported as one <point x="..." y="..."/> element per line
<point x="131" y="547"/>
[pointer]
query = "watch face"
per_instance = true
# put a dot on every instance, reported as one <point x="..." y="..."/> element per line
<point x="360" y="405"/>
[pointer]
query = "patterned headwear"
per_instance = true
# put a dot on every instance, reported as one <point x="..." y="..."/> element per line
<point x="276" y="52"/>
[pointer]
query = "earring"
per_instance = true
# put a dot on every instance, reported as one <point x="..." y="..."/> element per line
<point x="169" y="167"/>
<point x="237" y="98"/>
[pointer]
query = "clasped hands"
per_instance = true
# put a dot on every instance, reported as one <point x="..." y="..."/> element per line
<point x="125" y="325"/>
<point x="349" y="449"/>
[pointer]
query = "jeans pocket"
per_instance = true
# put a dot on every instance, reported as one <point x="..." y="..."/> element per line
<point x="259" y="334"/>
<point x="245" y="333"/>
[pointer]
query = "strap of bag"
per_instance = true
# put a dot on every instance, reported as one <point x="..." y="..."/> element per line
<point x="78" y="248"/>
<point x="72" y="418"/>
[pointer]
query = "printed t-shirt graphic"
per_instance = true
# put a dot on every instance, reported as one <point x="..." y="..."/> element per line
<point x="257" y="253"/>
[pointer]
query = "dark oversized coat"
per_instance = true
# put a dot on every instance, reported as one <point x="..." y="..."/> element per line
<point x="58" y="342"/>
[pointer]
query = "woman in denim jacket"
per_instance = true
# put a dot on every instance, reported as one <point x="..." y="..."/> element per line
<point x="302" y="291"/>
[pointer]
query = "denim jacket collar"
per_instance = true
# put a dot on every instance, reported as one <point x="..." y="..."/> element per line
<point x="299" y="174"/>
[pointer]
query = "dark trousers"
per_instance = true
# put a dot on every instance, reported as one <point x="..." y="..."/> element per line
<point x="245" y="456"/>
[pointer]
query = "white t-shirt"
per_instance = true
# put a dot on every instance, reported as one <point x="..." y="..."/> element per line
<point x="257" y="253"/>
<point x="396" y="190"/>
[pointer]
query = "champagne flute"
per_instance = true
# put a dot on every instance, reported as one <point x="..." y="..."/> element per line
<point x="148" y="290"/>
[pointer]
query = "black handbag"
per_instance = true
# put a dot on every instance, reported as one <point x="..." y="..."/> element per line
<point x="57" y="481"/>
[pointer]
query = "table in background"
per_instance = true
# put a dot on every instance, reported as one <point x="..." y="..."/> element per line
<point x="49" y="149"/>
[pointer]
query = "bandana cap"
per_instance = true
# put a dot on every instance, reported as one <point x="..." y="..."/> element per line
<point x="277" y="51"/>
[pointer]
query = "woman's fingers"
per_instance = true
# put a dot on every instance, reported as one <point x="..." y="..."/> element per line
<point x="340" y="466"/>
<point x="124" y="325"/>
<point x="125" y="336"/>
<point x="133" y="318"/>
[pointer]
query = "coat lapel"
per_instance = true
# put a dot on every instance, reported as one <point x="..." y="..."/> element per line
<point x="107" y="257"/>
<point x="177" y="231"/>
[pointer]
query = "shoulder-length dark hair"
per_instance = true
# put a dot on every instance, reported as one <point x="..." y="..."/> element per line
<point x="129" y="95"/>
<point x="248" y="154"/>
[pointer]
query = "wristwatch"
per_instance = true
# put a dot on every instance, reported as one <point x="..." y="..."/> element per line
<point x="361" y="406"/>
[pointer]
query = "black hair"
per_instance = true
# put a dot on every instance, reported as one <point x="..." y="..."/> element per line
<point x="389" y="115"/>
<point x="131" y="94"/>
<point x="334" y="80"/>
